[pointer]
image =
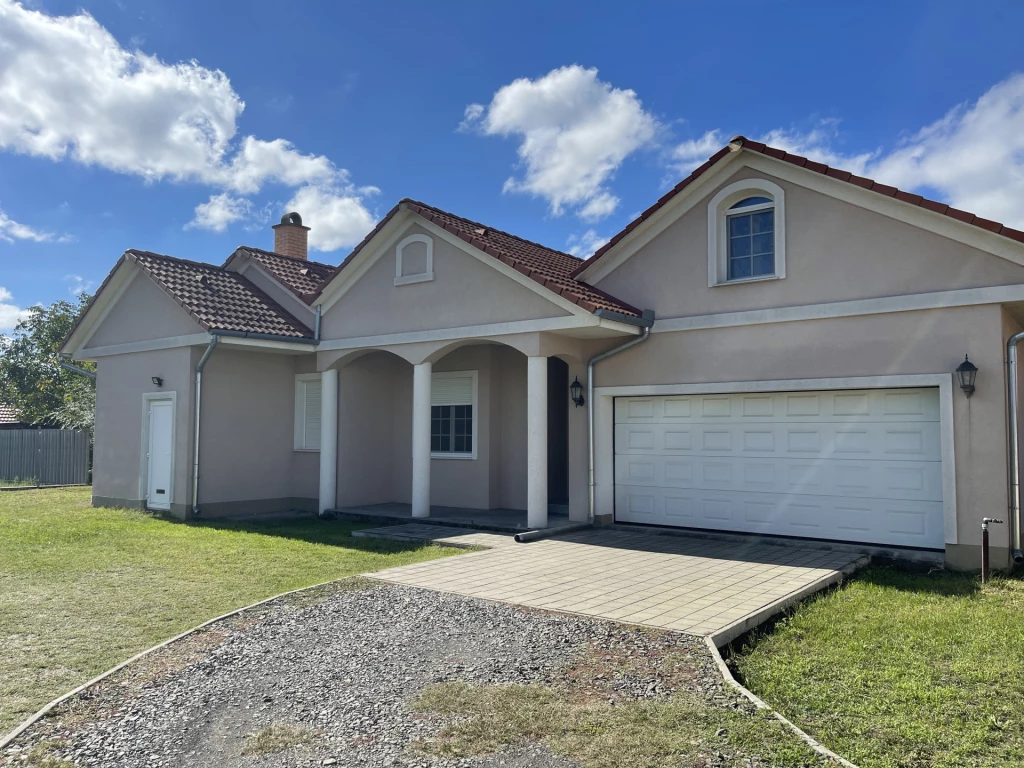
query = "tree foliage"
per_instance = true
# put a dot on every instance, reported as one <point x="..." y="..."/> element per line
<point x="31" y="379"/>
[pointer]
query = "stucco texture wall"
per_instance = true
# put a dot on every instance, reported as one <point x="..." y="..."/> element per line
<point x="464" y="291"/>
<point x="375" y="432"/>
<point x="143" y="312"/>
<point x="121" y="382"/>
<point x="835" y="251"/>
<point x="931" y="341"/>
<point x="247" y="438"/>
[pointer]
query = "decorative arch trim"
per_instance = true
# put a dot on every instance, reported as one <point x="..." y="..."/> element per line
<point x="718" y="241"/>
<point x="419" y="277"/>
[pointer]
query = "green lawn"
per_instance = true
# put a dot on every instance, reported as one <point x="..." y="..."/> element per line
<point x="902" y="669"/>
<point x="82" y="589"/>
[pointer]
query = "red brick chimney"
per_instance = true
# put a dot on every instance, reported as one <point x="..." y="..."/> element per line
<point x="290" y="237"/>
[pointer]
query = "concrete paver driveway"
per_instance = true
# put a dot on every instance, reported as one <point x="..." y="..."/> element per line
<point x="690" y="584"/>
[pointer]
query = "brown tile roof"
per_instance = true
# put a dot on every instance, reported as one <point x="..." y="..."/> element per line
<point x="8" y="415"/>
<point x="550" y="268"/>
<point x="304" y="278"/>
<point x="216" y="298"/>
<point x="824" y="170"/>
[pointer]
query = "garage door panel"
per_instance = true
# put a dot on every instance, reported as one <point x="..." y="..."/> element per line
<point x="897" y="441"/>
<point x="858" y="465"/>
<point x="876" y="521"/>
<point x="919" y="480"/>
<point x="841" y="405"/>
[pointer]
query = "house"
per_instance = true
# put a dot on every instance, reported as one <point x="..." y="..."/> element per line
<point x="9" y="418"/>
<point x="793" y="337"/>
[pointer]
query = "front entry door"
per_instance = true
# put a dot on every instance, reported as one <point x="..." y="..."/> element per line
<point x="158" y="487"/>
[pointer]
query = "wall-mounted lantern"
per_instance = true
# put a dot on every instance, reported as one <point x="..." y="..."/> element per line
<point x="967" y="373"/>
<point x="576" y="392"/>
<point x="158" y="381"/>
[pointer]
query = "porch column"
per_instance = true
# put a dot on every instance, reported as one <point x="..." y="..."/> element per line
<point x="328" y="439"/>
<point x="537" y="442"/>
<point x="421" y="439"/>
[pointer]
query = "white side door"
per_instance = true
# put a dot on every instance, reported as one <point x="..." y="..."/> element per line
<point x="160" y="449"/>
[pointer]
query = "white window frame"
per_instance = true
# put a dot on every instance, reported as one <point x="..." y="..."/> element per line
<point x="300" y="410"/>
<point x="421" y="277"/>
<point x="718" y="238"/>
<point x="476" y="414"/>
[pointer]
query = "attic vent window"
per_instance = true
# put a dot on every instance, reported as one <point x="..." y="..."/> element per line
<point x="414" y="260"/>
<point x="203" y="279"/>
<point x="304" y="271"/>
<point x="482" y="231"/>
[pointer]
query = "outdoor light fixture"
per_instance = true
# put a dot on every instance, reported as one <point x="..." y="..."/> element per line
<point x="576" y="390"/>
<point x="158" y="381"/>
<point x="967" y="373"/>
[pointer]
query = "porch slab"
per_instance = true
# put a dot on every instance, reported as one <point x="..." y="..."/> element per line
<point x="446" y="535"/>
<point x="718" y="589"/>
<point x="499" y="520"/>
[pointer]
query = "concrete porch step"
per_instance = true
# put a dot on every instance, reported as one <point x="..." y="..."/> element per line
<point x="445" y="535"/>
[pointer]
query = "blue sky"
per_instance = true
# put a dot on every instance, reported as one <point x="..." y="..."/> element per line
<point x="122" y="122"/>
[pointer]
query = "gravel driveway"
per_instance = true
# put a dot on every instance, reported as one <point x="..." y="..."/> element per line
<point x="342" y="665"/>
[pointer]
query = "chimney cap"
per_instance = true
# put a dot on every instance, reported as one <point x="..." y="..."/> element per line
<point x="290" y="220"/>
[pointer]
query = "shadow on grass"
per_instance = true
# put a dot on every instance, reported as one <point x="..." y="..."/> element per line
<point x="313" y="530"/>
<point x="909" y="578"/>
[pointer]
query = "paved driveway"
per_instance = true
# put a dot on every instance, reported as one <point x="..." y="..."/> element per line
<point x="689" y="584"/>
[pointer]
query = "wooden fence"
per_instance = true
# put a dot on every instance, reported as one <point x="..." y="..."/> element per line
<point x="44" y="457"/>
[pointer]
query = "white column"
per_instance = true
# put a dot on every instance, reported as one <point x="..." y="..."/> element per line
<point x="537" y="442"/>
<point x="328" y="439"/>
<point x="421" y="440"/>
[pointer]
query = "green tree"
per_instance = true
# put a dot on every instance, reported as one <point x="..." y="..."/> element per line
<point x="31" y="379"/>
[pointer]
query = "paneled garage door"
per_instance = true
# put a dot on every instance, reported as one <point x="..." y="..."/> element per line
<point x="848" y="465"/>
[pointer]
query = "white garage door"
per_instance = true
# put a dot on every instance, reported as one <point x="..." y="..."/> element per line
<point x="850" y="465"/>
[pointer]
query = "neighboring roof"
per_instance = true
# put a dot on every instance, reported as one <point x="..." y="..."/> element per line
<point x="8" y="415"/>
<point x="304" y="278"/>
<point x="550" y="268"/>
<point x="216" y="298"/>
<point x="803" y="162"/>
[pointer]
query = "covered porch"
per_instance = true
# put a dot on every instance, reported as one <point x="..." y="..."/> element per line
<point x="473" y="432"/>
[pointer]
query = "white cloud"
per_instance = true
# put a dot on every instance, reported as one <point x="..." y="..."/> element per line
<point x="340" y="215"/>
<point x="70" y="91"/>
<point x="79" y="284"/>
<point x="11" y="230"/>
<point x="973" y="156"/>
<point x="689" y="154"/>
<point x="10" y="313"/>
<point x="574" y="131"/>
<point x="219" y="211"/>
<point x="584" y="245"/>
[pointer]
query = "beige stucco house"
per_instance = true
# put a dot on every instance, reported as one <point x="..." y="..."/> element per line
<point x="793" y="334"/>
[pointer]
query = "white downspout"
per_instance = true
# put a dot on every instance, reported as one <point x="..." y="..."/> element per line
<point x="1013" y="425"/>
<point x="199" y="399"/>
<point x="644" y="335"/>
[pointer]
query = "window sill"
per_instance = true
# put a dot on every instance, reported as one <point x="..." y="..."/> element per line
<point x="460" y="456"/>
<point x="744" y="280"/>
<point x="306" y="450"/>
<point x="423" y="277"/>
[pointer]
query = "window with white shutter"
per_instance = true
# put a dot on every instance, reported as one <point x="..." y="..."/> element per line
<point x="453" y="415"/>
<point x="308" y="408"/>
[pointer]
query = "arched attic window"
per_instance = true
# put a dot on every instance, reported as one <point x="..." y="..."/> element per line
<point x="747" y="233"/>
<point x="414" y="260"/>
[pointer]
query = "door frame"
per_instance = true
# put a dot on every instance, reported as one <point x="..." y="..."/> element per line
<point x="604" y="418"/>
<point x="147" y="399"/>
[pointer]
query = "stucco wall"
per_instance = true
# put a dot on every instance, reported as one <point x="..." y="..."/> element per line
<point x="464" y="291"/>
<point x="932" y="341"/>
<point x="121" y="381"/>
<point x="247" y="439"/>
<point x="835" y="251"/>
<point x="375" y="432"/>
<point x="143" y="312"/>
